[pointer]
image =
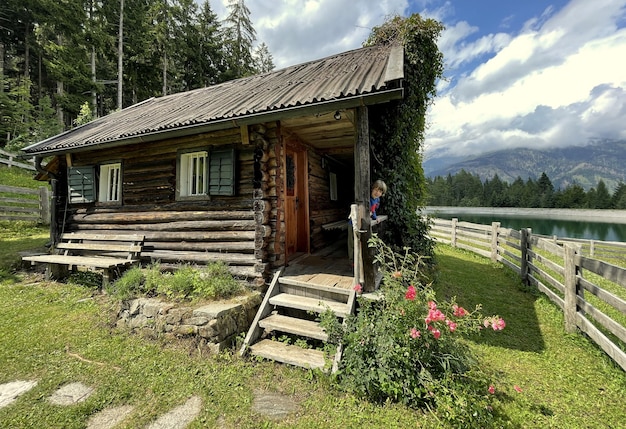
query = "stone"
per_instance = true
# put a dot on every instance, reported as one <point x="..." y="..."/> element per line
<point x="216" y="310"/>
<point x="152" y="308"/>
<point x="184" y="330"/>
<point x="109" y="417"/>
<point x="71" y="394"/>
<point x="9" y="392"/>
<point x="180" y="417"/>
<point x="198" y="321"/>
<point x="273" y="405"/>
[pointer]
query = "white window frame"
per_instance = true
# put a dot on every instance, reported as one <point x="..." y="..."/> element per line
<point x="193" y="174"/>
<point x="110" y="183"/>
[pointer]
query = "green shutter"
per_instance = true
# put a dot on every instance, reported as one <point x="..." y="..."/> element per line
<point x="222" y="172"/>
<point x="81" y="185"/>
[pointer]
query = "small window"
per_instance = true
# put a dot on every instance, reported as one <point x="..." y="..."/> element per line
<point x="193" y="174"/>
<point x="110" y="185"/>
<point x="80" y="182"/>
<point x="333" y="187"/>
<point x="206" y="173"/>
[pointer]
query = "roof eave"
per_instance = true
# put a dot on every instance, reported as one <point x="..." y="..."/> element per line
<point x="250" y="119"/>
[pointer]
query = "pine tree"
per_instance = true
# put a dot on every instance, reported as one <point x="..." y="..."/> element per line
<point x="239" y="38"/>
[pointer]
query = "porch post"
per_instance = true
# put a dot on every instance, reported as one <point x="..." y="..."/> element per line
<point x="362" y="195"/>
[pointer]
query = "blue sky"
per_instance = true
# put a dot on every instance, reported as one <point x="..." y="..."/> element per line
<point x="526" y="73"/>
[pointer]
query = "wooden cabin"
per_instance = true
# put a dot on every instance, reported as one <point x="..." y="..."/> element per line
<point x="248" y="172"/>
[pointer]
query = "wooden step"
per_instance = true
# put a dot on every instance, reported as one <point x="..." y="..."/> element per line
<point x="310" y="304"/>
<point x="293" y="355"/>
<point x="313" y="286"/>
<point x="291" y="325"/>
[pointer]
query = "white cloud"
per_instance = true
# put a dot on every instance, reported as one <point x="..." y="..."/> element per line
<point x="559" y="82"/>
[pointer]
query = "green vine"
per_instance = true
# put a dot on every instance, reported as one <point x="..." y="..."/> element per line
<point x="397" y="130"/>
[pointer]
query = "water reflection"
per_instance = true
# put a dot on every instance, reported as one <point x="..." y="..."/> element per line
<point x="560" y="228"/>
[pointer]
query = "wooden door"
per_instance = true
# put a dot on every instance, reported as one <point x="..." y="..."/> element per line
<point x="296" y="202"/>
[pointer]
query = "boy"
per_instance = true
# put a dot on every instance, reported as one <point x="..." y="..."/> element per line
<point x="378" y="189"/>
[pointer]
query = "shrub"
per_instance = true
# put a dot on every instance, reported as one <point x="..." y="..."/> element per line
<point x="408" y="347"/>
<point x="187" y="283"/>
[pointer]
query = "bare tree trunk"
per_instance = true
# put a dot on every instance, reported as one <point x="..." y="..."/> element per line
<point x="60" y="92"/>
<point x="164" y="72"/>
<point x="120" y="53"/>
<point x="1" y="67"/>
<point x="94" y="98"/>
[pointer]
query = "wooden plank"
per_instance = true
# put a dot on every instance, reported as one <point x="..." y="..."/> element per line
<point x="615" y="328"/>
<point x="608" y="271"/>
<point x="293" y="355"/>
<point x="101" y="236"/>
<point x="606" y="296"/>
<point x="292" y="325"/>
<point x="254" y="333"/>
<point x="90" y="246"/>
<point x="310" y="304"/>
<point x="600" y="339"/>
<point x="82" y="261"/>
<point x="296" y="282"/>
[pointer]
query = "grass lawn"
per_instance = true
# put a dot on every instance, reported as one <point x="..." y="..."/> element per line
<point x="60" y="333"/>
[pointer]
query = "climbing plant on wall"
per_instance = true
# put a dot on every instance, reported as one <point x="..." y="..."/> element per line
<point x="397" y="129"/>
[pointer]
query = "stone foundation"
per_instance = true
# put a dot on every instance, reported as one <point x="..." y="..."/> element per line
<point x="215" y="324"/>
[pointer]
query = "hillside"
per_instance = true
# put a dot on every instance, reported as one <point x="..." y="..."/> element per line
<point x="584" y="165"/>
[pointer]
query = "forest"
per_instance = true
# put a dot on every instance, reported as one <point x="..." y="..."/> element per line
<point x="467" y="190"/>
<point x="65" y="62"/>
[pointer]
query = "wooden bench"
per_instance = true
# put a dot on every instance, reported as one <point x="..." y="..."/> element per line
<point x="108" y="253"/>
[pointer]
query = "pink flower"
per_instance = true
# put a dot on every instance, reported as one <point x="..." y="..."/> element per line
<point x="519" y="389"/>
<point x="436" y="333"/>
<point x="358" y="288"/>
<point x="459" y="311"/>
<point x="492" y="389"/>
<point x="415" y="333"/>
<point x="451" y="325"/>
<point x="432" y="305"/>
<point x="498" y="324"/>
<point x="436" y="315"/>
<point x="410" y="293"/>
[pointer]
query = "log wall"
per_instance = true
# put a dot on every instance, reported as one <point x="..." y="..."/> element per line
<point x="235" y="229"/>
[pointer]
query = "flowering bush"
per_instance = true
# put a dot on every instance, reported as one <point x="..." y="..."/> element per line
<point x="407" y="346"/>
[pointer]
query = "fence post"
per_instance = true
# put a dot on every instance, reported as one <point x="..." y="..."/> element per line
<point x="570" y="305"/>
<point x="44" y="205"/>
<point x="495" y="228"/>
<point x="524" y="245"/>
<point x="453" y="233"/>
<point x="592" y="248"/>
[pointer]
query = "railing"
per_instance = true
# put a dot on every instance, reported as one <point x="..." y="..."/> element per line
<point x="8" y="158"/>
<point x="591" y="292"/>
<point x="25" y="204"/>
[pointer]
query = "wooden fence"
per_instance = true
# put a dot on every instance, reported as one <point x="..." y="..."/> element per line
<point x="9" y="159"/>
<point x="590" y="291"/>
<point x="25" y="204"/>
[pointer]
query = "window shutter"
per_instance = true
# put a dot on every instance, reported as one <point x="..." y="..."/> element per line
<point x="81" y="187"/>
<point x="222" y="172"/>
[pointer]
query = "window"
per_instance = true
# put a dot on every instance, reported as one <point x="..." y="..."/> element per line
<point x="205" y="173"/>
<point x="193" y="169"/>
<point x="333" y="187"/>
<point x="110" y="184"/>
<point x="80" y="183"/>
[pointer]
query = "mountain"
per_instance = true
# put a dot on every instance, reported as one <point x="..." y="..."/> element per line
<point x="583" y="165"/>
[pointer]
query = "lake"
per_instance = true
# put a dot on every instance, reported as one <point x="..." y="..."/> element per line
<point x="605" y="225"/>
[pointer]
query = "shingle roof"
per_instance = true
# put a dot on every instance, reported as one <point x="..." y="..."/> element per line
<point x="359" y="72"/>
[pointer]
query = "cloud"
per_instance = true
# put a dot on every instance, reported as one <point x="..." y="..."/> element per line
<point x="298" y="31"/>
<point x="558" y="82"/>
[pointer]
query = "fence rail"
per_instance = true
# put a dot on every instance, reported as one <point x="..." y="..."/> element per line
<point x="579" y="276"/>
<point x="25" y="204"/>
<point x="9" y="159"/>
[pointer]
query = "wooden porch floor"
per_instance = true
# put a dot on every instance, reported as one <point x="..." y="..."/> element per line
<point x="328" y="267"/>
